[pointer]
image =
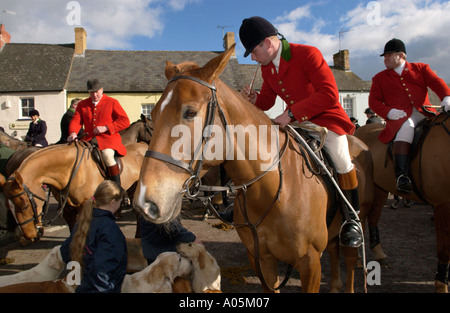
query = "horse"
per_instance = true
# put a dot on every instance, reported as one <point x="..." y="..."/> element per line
<point x="280" y="207"/>
<point x="141" y="130"/>
<point x="12" y="142"/>
<point x="68" y="168"/>
<point x="429" y="176"/>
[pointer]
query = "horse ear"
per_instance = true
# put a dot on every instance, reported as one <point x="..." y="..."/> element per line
<point x="18" y="179"/>
<point x="2" y="180"/>
<point x="171" y="70"/>
<point x="216" y="66"/>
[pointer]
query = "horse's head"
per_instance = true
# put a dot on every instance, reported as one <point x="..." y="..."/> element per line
<point x="175" y="161"/>
<point x="25" y="208"/>
<point x="146" y="132"/>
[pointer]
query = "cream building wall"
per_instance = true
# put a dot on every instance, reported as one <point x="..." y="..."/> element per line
<point x="51" y="107"/>
<point x="131" y="102"/>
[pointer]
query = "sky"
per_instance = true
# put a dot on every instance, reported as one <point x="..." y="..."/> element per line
<point x="362" y="27"/>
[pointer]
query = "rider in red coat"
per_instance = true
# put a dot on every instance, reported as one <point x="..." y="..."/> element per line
<point x="399" y="94"/>
<point x="103" y="118"/>
<point x="301" y="77"/>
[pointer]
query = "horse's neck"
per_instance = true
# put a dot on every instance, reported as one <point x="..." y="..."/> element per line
<point x="48" y="166"/>
<point x="263" y="136"/>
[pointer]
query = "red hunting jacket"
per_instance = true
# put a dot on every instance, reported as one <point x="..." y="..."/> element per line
<point x="307" y="85"/>
<point x="109" y="113"/>
<point x="404" y="92"/>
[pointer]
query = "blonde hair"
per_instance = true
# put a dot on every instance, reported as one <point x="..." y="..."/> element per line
<point x="103" y="195"/>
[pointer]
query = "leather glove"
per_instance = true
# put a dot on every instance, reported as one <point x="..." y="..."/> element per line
<point x="395" y="114"/>
<point x="446" y="104"/>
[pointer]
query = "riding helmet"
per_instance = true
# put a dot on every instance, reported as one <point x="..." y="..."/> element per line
<point x="254" y="30"/>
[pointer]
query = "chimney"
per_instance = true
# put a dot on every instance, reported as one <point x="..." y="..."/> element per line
<point x="342" y="60"/>
<point x="80" y="40"/>
<point x="5" y="37"/>
<point x="228" y="41"/>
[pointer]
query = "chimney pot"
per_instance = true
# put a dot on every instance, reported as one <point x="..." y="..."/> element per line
<point x="228" y="41"/>
<point x="80" y="40"/>
<point x="5" y="37"/>
<point x="342" y="60"/>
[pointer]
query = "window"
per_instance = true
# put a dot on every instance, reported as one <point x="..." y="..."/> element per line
<point x="146" y="109"/>
<point x="27" y="104"/>
<point x="347" y="103"/>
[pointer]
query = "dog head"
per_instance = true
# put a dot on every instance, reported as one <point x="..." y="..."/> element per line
<point x="193" y="251"/>
<point x="169" y="265"/>
<point x="206" y="271"/>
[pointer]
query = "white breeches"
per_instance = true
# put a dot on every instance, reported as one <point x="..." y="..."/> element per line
<point x="108" y="157"/>
<point x="337" y="147"/>
<point x="406" y="132"/>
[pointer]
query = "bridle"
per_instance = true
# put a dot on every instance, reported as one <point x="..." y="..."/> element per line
<point x="31" y="197"/>
<point x="194" y="179"/>
<point x="192" y="186"/>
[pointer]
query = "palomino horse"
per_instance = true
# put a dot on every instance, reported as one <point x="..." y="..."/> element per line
<point x="430" y="174"/>
<point x="281" y="207"/>
<point x="67" y="168"/>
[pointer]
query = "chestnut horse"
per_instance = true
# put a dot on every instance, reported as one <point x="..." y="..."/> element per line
<point x="280" y="208"/>
<point x="64" y="167"/>
<point x="430" y="175"/>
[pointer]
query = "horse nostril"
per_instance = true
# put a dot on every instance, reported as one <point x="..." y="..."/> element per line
<point x="153" y="210"/>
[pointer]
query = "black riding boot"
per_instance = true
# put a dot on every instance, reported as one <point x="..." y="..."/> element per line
<point x="401" y="161"/>
<point x="350" y="235"/>
<point x="114" y="175"/>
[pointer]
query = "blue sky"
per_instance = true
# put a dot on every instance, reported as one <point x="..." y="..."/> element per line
<point x="193" y="25"/>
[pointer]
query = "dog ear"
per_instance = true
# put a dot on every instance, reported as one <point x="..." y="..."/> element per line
<point x="201" y="259"/>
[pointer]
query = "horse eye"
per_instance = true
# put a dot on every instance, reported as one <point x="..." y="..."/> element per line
<point x="189" y="114"/>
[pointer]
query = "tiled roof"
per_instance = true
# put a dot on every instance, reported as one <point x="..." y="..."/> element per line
<point x="138" y="71"/>
<point x="34" y="67"/>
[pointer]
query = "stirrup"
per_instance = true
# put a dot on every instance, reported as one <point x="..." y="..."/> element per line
<point x="406" y="186"/>
<point x="353" y="237"/>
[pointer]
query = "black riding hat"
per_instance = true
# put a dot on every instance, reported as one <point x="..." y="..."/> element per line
<point x="394" y="45"/>
<point x="254" y="30"/>
<point x="33" y="113"/>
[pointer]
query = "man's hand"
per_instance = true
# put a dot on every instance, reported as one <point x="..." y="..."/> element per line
<point x="72" y="137"/>
<point x="395" y="114"/>
<point x="283" y="120"/>
<point x="249" y="94"/>
<point x="446" y="104"/>
<point x="100" y="130"/>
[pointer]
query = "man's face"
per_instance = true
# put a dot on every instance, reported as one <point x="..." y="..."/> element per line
<point x="96" y="95"/>
<point x="261" y="53"/>
<point x="392" y="60"/>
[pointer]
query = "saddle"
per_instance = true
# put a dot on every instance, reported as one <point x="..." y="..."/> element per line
<point x="98" y="158"/>
<point x="316" y="168"/>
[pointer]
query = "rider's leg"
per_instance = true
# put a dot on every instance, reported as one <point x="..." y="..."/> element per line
<point x="337" y="147"/>
<point x="401" y="147"/>
<point x="111" y="165"/>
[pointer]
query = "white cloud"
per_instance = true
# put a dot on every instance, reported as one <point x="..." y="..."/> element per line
<point x="110" y="24"/>
<point x="421" y="24"/>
